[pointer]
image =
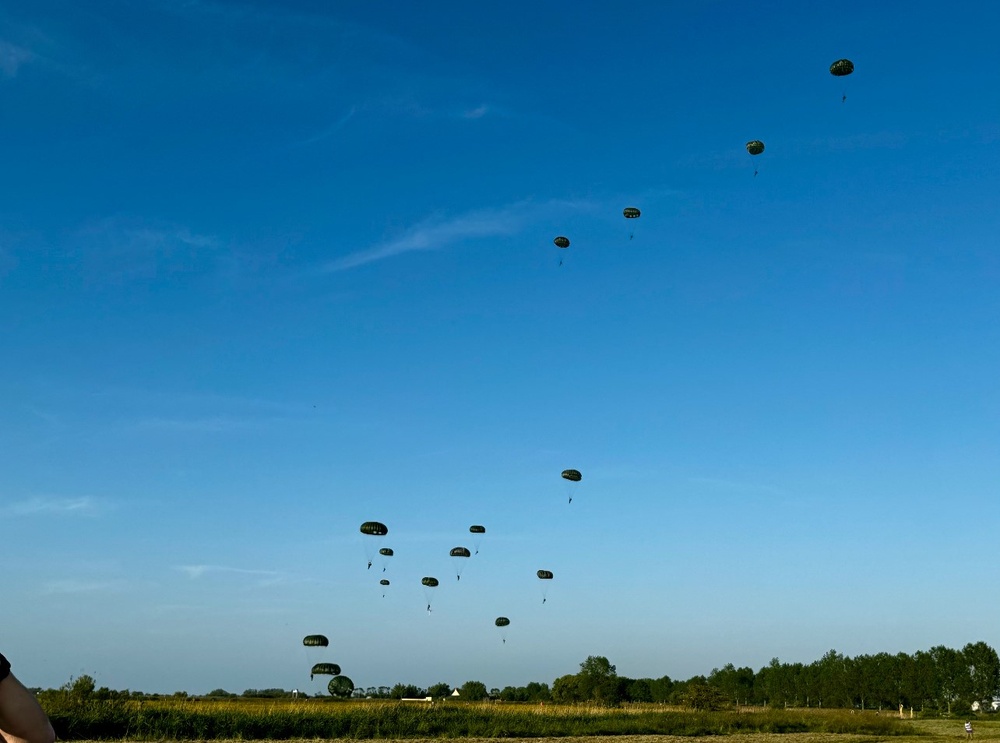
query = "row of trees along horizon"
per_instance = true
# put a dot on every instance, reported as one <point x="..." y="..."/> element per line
<point x="935" y="681"/>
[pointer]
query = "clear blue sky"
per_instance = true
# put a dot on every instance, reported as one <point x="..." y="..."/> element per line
<point x="269" y="270"/>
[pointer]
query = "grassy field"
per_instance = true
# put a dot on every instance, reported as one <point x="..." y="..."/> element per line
<point x="187" y="720"/>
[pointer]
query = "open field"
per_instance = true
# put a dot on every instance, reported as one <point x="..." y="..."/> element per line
<point x="165" y="720"/>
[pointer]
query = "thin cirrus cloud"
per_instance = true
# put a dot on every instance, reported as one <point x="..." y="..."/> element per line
<point x="41" y="506"/>
<point x="436" y="233"/>
<point x="208" y="424"/>
<point x="12" y="57"/>
<point x="194" y="572"/>
<point x="80" y="586"/>
<point x="127" y="247"/>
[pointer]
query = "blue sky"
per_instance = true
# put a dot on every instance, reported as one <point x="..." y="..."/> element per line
<point x="269" y="270"/>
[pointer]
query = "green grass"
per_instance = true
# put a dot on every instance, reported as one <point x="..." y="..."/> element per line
<point x="365" y="720"/>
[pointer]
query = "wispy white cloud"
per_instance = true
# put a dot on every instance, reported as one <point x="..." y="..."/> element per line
<point x="476" y="113"/>
<point x="208" y="424"/>
<point x="128" y="247"/>
<point x="80" y="586"/>
<point x="266" y="577"/>
<point x="438" y="232"/>
<point x="41" y="506"/>
<point x="12" y="57"/>
<point x="333" y="129"/>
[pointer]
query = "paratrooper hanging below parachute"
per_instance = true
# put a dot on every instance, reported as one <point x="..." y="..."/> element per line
<point x="477" y="531"/>
<point x="428" y="583"/>
<point x="631" y="212"/>
<point x="372" y="529"/>
<point x="842" y="68"/>
<point x="502" y="623"/>
<point x="562" y="243"/>
<point x="571" y="476"/>
<point x="544" y="575"/>
<point x="755" y="147"/>
<point x="463" y="553"/>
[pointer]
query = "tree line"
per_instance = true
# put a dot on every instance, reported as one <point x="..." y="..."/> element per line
<point x="938" y="681"/>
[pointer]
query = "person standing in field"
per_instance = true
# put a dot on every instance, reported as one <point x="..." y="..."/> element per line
<point x="968" y="730"/>
<point x="22" y="719"/>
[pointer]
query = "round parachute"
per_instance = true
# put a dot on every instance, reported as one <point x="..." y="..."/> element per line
<point x="755" y="147"/>
<point x="374" y="528"/>
<point x="842" y="67"/>
<point x="630" y="212"/>
<point x="315" y="641"/>
<point x="544" y="574"/>
<point x="460" y="552"/>
<point x="477" y="529"/>
<point x="341" y="686"/>
<point x="561" y="242"/>
<point x="501" y="621"/>
<point x="386" y="552"/>
<point x="327" y="669"/>
<point x="572" y="475"/>
<point x="429" y="582"/>
<point x="384" y="582"/>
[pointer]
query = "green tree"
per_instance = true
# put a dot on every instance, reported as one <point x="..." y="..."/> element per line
<point x="537" y="692"/>
<point x="439" y="690"/>
<point x="950" y="672"/>
<point x="473" y="691"/>
<point x="80" y="689"/>
<point x="566" y="689"/>
<point x="599" y="680"/>
<point x="703" y="696"/>
<point x="639" y="690"/>
<point x="984" y="671"/>
<point x="661" y="688"/>
<point x="407" y="691"/>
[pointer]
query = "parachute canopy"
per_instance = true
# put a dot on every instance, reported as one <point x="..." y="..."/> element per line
<point x="561" y="242"/>
<point x="341" y="686"/>
<point x="501" y="621"/>
<point x="374" y="528"/>
<point x="842" y="67"/>
<point x="429" y="582"/>
<point x="328" y="669"/>
<point x="755" y="147"/>
<point x="384" y="582"/>
<point x="572" y="475"/>
<point x="460" y="552"/>
<point x="386" y="552"/>
<point x="315" y="641"/>
<point x="544" y="574"/>
<point x="630" y="212"/>
<point x="477" y="529"/>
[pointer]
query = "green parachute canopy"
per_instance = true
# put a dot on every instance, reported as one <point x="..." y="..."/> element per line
<point x="842" y="67"/>
<point x="544" y="574"/>
<point x="374" y="528"/>
<point x="572" y="475"/>
<point x="460" y="552"/>
<point x="328" y="669"/>
<point x="477" y="529"/>
<point x="429" y="582"/>
<point x="341" y="686"/>
<point x="386" y="552"/>
<point x="755" y="147"/>
<point x="501" y="621"/>
<point x="315" y="641"/>
<point x="561" y="242"/>
<point x="384" y="582"/>
<point x="630" y="212"/>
